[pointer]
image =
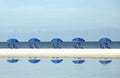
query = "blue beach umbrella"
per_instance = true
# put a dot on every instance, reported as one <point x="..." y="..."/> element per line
<point x="77" y="44"/>
<point x="104" y="44"/>
<point x="32" y="44"/>
<point x="56" y="42"/>
<point x="11" y="44"/>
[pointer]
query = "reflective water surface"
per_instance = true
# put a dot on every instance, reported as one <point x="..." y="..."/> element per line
<point x="66" y="69"/>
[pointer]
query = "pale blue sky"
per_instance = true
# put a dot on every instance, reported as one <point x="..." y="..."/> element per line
<point x="45" y="19"/>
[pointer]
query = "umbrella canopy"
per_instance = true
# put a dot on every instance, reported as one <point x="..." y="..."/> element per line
<point x="56" y="61"/>
<point x="105" y="40"/>
<point x="78" y="61"/>
<point x="105" y="61"/>
<point x="78" y="40"/>
<point x="34" y="61"/>
<point x="56" y="40"/>
<point x="34" y="40"/>
<point x="13" y="60"/>
<point x="12" y="40"/>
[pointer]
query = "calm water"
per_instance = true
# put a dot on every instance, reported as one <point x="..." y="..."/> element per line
<point x="46" y="69"/>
